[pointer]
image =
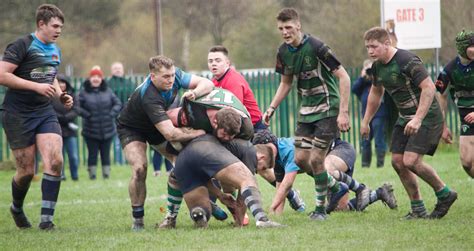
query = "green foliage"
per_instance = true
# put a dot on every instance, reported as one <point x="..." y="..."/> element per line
<point x="97" y="215"/>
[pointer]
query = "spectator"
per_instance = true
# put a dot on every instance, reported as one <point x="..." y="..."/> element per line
<point x="361" y="89"/>
<point x="123" y="88"/>
<point x="98" y="107"/>
<point x="67" y="121"/>
<point x="226" y="77"/>
<point x="157" y="160"/>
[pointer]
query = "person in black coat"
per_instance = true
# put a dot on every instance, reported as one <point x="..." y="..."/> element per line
<point x="67" y="121"/>
<point x="98" y="108"/>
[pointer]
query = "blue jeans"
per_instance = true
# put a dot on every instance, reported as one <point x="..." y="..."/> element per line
<point x="70" y="147"/>
<point x="118" y="156"/>
<point x="377" y="132"/>
<point x="157" y="158"/>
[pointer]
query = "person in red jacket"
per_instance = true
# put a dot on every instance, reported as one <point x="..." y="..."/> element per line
<point x="226" y="77"/>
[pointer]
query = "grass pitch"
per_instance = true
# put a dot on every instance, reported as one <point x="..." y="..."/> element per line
<point x="97" y="215"/>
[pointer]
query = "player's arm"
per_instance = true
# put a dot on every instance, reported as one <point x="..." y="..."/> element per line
<point x="283" y="89"/>
<point x="200" y="86"/>
<point x="283" y="188"/>
<point x="8" y="79"/>
<point x="344" y="90"/>
<point x="176" y="134"/>
<point x="428" y="91"/>
<point x="373" y="104"/>
<point x="443" y="102"/>
<point x="442" y="86"/>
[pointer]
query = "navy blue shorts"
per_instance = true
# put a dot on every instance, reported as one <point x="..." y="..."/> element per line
<point x="346" y="152"/>
<point x="128" y="134"/>
<point x="199" y="161"/>
<point x="21" y="130"/>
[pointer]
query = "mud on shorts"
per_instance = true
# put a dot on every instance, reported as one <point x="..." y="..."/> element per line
<point x="128" y="134"/>
<point x="424" y="142"/>
<point x="200" y="160"/>
<point x="321" y="133"/>
<point x="346" y="152"/>
<point x="21" y="130"/>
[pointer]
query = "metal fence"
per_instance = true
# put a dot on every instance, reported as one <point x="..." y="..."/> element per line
<point x="264" y="84"/>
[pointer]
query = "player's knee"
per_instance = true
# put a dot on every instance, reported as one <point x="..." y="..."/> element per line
<point x="139" y="172"/>
<point x="410" y="163"/>
<point x="57" y="164"/>
<point x="397" y="164"/>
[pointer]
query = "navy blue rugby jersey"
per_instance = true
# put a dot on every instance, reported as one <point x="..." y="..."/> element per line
<point x="37" y="62"/>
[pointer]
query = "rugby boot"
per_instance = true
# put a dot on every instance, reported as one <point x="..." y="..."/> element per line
<point x="46" y="226"/>
<point x="138" y="225"/>
<point x="268" y="224"/>
<point x="385" y="193"/>
<point x="318" y="216"/>
<point x="296" y="202"/>
<point x="416" y="215"/>
<point x="198" y="215"/>
<point x="442" y="206"/>
<point x="334" y="198"/>
<point x="168" y="223"/>
<point x="20" y="219"/>
<point x="363" y="197"/>
<point x="218" y="212"/>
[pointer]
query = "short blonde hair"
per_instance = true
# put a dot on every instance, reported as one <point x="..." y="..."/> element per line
<point x="157" y="62"/>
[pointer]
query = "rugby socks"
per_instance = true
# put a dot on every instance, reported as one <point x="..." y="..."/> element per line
<point x="321" y="182"/>
<point x="19" y="194"/>
<point x="253" y="201"/>
<point x="50" y="190"/>
<point x="352" y="183"/>
<point x="373" y="197"/>
<point x="443" y="193"/>
<point x="333" y="185"/>
<point x="175" y="197"/>
<point x="138" y="212"/>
